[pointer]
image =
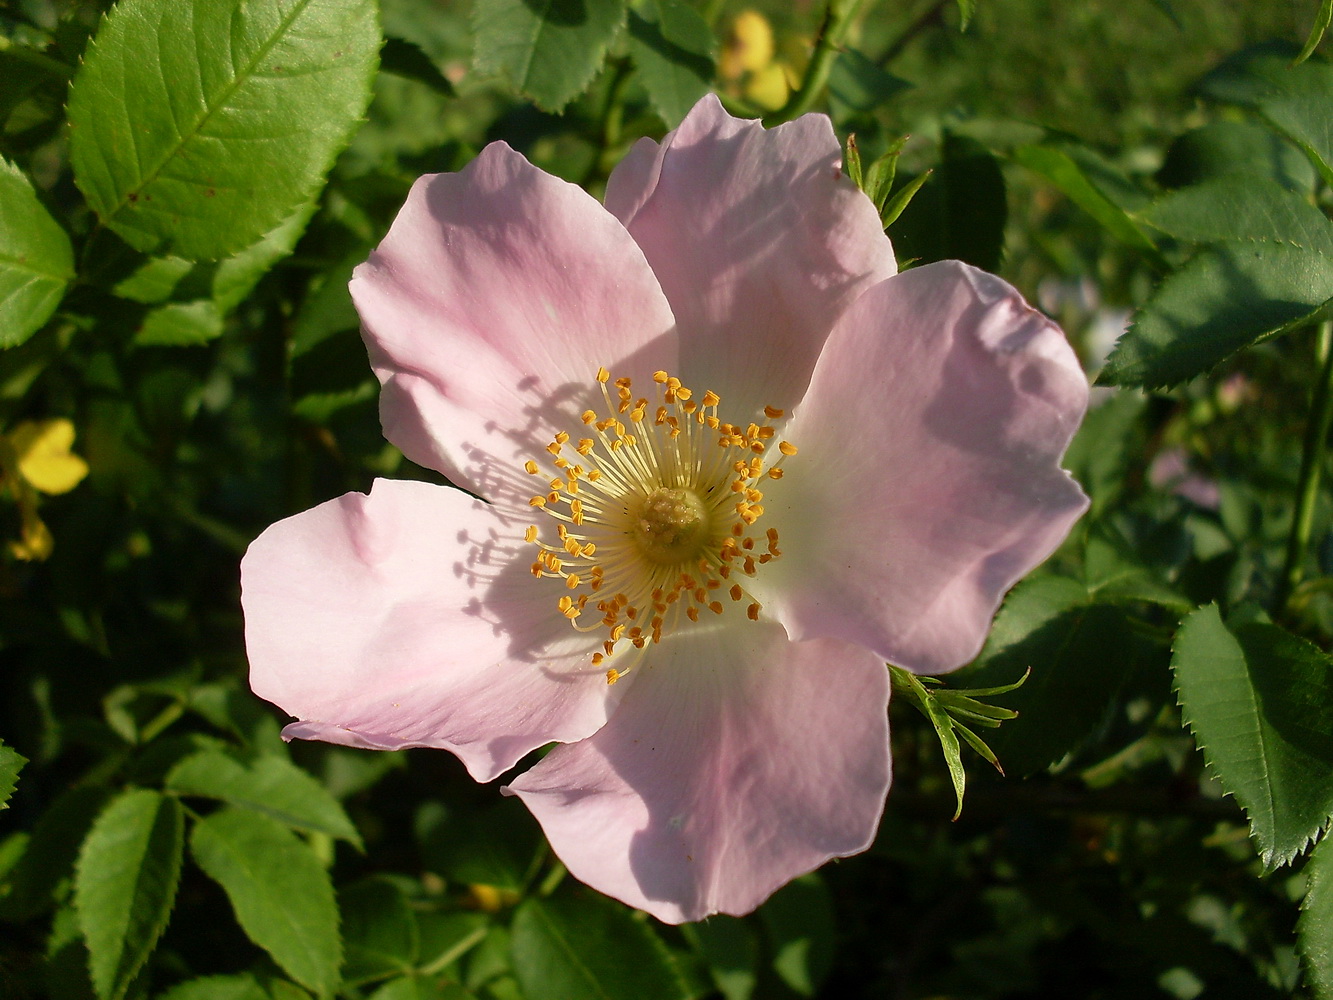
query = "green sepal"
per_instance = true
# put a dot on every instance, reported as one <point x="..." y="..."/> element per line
<point x="945" y="709"/>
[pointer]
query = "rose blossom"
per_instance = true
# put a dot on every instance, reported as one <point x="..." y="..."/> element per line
<point x="728" y="464"/>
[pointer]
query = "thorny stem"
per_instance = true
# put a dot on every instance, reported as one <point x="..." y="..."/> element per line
<point x="838" y="17"/>
<point x="1312" y="466"/>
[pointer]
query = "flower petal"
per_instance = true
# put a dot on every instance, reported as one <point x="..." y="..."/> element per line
<point x="758" y="240"/>
<point x="408" y="618"/>
<point x="488" y="309"/>
<point x="738" y="761"/>
<point x="919" y="497"/>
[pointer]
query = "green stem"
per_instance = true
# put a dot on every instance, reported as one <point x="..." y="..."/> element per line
<point x="1312" y="467"/>
<point x="838" y="18"/>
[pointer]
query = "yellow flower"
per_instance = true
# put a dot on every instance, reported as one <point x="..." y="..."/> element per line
<point x="751" y="66"/>
<point x="35" y="456"/>
<point x="42" y="448"/>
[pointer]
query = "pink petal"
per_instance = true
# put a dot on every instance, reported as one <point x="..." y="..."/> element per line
<point x="928" y="479"/>
<point x="488" y="309"/>
<point x="409" y="618"/>
<point x="738" y="761"/>
<point x="758" y="240"/>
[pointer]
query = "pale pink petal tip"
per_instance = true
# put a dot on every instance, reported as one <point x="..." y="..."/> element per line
<point x="739" y="761"/>
<point x="759" y="241"/>
<point x="928" y="493"/>
<point x="398" y="619"/>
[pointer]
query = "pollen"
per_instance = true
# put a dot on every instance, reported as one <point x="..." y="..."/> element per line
<point x="652" y="521"/>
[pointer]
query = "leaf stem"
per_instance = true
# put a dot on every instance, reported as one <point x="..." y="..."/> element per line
<point x="1312" y="466"/>
<point x="838" y="18"/>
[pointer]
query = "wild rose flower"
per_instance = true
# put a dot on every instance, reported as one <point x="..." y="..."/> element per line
<point x="728" y="464"/>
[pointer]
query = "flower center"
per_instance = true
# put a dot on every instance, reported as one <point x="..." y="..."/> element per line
<point x="672" y="526"/>
<point x="655" y="514"/>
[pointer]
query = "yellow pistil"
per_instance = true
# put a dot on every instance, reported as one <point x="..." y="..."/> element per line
<point x="654" y="512"/>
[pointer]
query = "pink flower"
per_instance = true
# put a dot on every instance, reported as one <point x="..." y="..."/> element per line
<point x="729" y="464"/>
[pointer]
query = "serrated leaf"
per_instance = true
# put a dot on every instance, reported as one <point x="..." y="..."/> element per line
<point x="36" y="259"/>
<point x="584" y="947"/>
<point x="1061" y="170"/>
<point x="1081" y="655"/>
<point x="549" y="49"/>
<point x="1247" y="148"/>
<point x="281" y="894"/>
<point x="225" y="283"/>
<point x="34" y="884"/>
<point x="197" y="127"/>
<point x="672" y="48"/>
<point x="1223" y="299"/>
<point x="1314" y="932"/>
<point x="11" y="762"/>
<point x="1294" y="99"/>
<point x="270" y="785"/>
<point x="243" y="987"/>
<point x="125" y="884"/>
<point x="1241" y="208"/>
<point x="1258" y="701"/>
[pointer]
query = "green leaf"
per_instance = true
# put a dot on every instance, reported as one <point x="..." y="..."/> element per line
<point x="1294" y="99"/>
<point x="549" y="49"/>
<point x="966" y="8"/>
<point x="961" y="213"/>
<point x="1258" y="701"/>
<point x="180" y="324"/>
<point x="36" y="882"/>
<point x="802" y="933"/>
<point x="1222" y="148"/>
<point x="585" y="947"/>
<point x="1081" y="655"/>
<point x="1107" y="444"/>
<point x="407" y="59"/>
<point x="860" y="83"/>
<point x="494" y="846"/>
<point x="125" y="884"/>
<point x="225" y="283"/>
<point x="1315" y="929"/>
<point x="196" y="127"/>
<point x="36" y="260"/>
<point x="271" y="785"/>
<point x="11" y="762"/>
<point x="1241" y="208"/>
<point x="672" y="48"/>
<point x="243" y="987"/>
<point x="280" y="893"/>
<point x="1317" y="30"/>
<point x="380" y="931"/>
<point x="730" y="948"/>
<point x="1225" y="298"/>
<point x="1061" y="170"/>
